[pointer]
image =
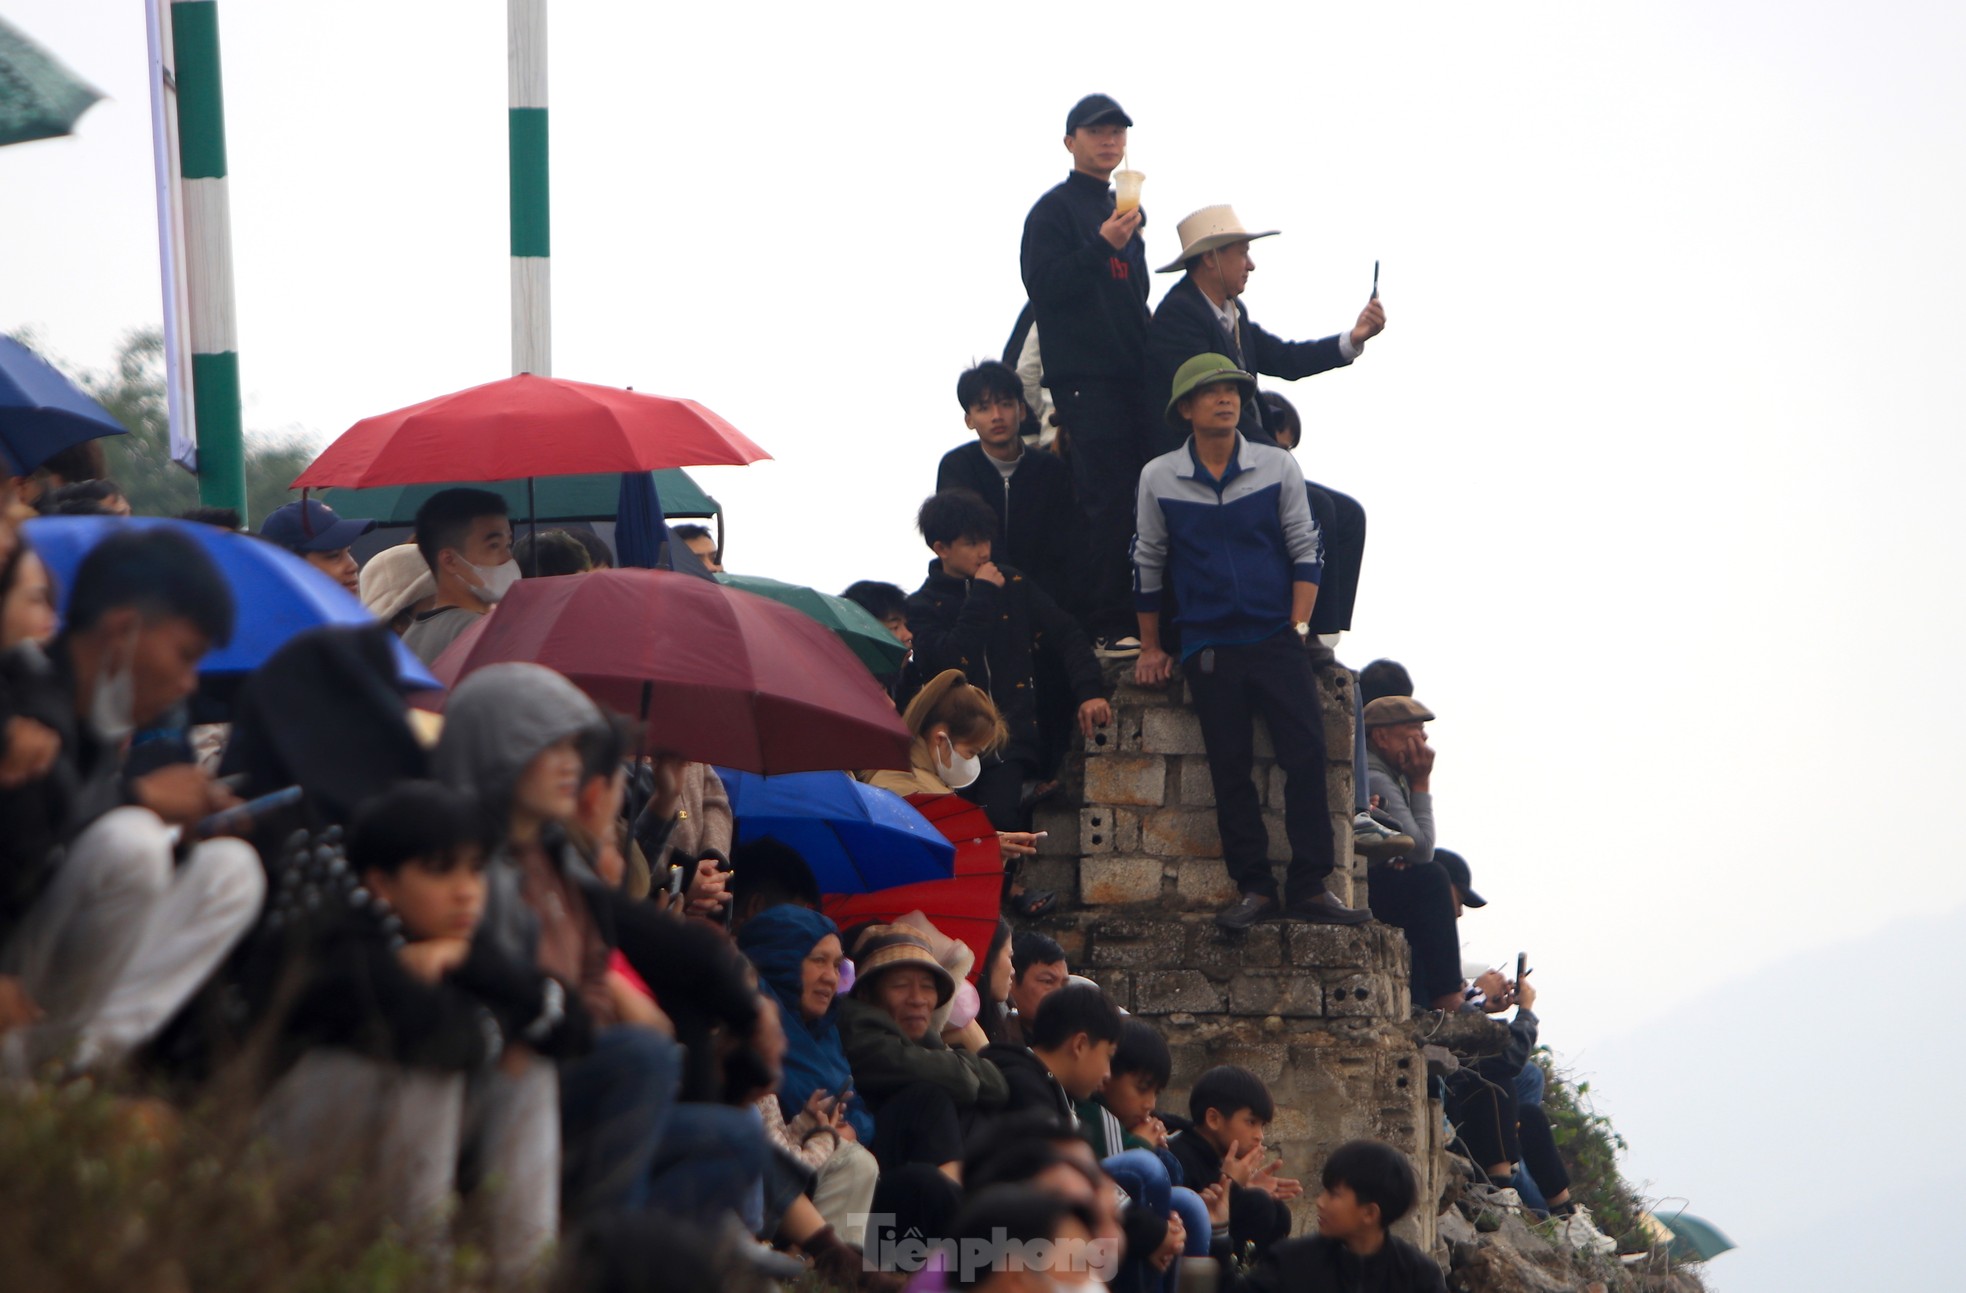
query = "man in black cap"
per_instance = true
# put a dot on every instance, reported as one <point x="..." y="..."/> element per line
<point x="1085" y="270"/>
<point x="312" y="530"/>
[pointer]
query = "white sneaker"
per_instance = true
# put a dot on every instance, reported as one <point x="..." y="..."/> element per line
<point x="1116" y="648"/>
<point x="1580" y="1231"/>
<point x="1373" y="841"/>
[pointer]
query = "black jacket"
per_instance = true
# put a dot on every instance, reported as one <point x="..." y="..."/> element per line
<point x="1036" y="514"/>
<point x="1255" y="1217"/>
<point x="1185" y="325"/>
<point x="1031" y="1085"/>
<point x="1315" y="1264"/>
<point x="1090" y="302"/>
<point x="994" y="635"/>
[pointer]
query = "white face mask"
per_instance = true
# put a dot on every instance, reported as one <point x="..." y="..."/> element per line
<point x="113" y="707"/>
<point x="959" y="770"/>
<point x="494" y="583"/>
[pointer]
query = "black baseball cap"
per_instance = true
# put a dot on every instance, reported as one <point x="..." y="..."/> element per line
<point x="1096" y="110"/>
<point x="311" y="527"/>
<point x="1456" y="867"/>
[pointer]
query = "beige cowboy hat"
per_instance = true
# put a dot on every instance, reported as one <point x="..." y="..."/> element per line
<point x="1207" y="229"/>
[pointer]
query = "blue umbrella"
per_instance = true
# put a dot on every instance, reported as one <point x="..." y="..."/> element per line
<point x="42" y="412"/>
<point x="856" y="838"/>
<point x="277" y="593"/>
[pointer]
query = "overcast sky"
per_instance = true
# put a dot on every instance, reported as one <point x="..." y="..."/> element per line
<point x="1661" y="447"/>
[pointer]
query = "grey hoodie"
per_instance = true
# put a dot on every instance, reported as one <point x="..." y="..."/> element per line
<point x="495" y="723"/>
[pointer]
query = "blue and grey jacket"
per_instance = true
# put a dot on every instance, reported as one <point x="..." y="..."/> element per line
<point x="1236" y="544"/>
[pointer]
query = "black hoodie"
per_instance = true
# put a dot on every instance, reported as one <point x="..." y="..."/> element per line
<point x="1255" y="1216"/>
<point x="1089" y="300"/>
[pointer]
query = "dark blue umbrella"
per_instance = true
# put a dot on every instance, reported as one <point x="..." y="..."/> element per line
<point x="856" y="838"/>
<point x="639" y="530"/>
<point x="42" y="412"/>
<point x="277" y="593"/>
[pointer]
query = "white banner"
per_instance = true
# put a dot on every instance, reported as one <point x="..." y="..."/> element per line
<point x="170" y="237"/>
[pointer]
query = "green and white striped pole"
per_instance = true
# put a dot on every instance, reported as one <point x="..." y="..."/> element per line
<point x="208" y="255"/>
<point x="532" y="287"/>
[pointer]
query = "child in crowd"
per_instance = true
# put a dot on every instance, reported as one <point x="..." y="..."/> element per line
<point x="1230" y="1108"/>
<point x="413" y="1040"/>
<point x="1367" y="1187"/>
<point x="1069" y="1056"/>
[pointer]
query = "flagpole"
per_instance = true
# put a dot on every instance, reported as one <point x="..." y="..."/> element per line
<point x="532" y="294"/>
<point x="207" y="234"/>
<point x="170" y="237"/>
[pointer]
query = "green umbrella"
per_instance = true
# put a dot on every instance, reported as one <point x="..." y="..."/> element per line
<point x="39" y="98"/>
<point x="1694" y="1239"/>
<point x="560" y="498"/>
<point x="864" y="635"/>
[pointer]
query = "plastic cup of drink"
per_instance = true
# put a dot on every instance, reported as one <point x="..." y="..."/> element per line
<point x="1126" y="190"/>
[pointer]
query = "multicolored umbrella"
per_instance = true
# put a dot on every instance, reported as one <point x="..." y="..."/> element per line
<point x="868" y="638"/>
<point x="720" y="676"/>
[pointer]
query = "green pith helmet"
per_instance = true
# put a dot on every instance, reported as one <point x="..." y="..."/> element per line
<point x="1199" y="372"/>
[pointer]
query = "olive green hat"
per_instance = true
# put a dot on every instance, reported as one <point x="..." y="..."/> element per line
<point x="1201" y="371"/>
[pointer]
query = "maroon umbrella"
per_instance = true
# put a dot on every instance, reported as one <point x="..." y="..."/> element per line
<point x="722" y="676"/>
<point x="527" y="426"/>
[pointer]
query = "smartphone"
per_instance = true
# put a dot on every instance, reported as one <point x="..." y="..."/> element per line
<point x="1521" y="965"/>
<point x="1375" y="280"/>
<point x="839" y="1096"/>
<point x="240" y="817"/>
<point x="678" y="875"/>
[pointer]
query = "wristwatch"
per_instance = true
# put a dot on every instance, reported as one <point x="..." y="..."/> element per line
<point x="1303" y="628"/>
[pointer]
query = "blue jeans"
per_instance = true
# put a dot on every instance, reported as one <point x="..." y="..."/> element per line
<point x="1529" y="1084"/>
<point x="615" y="1106"/>
<point x="1144" y="1177"/>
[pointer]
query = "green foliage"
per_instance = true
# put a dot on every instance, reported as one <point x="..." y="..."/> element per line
<point x="1590" y="1146"/>
<point x="100" y="1194"/>
<point x="132" y="389"/>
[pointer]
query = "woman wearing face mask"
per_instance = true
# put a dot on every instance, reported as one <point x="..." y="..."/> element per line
<point x="955" y="725"/>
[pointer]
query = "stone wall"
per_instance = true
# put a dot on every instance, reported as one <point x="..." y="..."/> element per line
<point x="1319" y="1012"/>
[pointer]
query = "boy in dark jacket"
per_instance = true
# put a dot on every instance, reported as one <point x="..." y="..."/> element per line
<point x="1367" y="1187"/>
<point x="1230" y="1108"/>
<point x="1028" y="489"/>
<point x="415" y="1037"/>
<point x="1072" y="1041"/>
<point x="992" y="622"/>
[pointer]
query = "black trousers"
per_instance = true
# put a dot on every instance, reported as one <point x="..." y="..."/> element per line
<point x="1231" y="685"/>
<point x="1341" y="520"/>
<point x="1107" y="430"/>
<point x="1419" y="899"/>
<point x="1493" y="1128"/>
<point x="917" y="1124"/>
<point x="998" y="792"/>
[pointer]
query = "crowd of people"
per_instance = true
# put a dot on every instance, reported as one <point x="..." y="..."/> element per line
<point x="510" y="959"/>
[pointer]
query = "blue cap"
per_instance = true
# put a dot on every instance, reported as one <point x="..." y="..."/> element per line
<point x="311" y="527"/>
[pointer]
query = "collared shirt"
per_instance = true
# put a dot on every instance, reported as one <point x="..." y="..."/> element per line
<point x="1231" y="320"/>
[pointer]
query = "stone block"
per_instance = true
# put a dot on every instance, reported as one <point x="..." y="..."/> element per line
<point x="1163" y="992"/>
<point x="1359" y="996"/>
<point x="1338" y="797"/>
<point x="1208" y="948"/>
<point x="1126" y="830"/>
<point x="1197" y="785"/>
<point x="1117" y="984"/>
<point x="1125" y="941"/>
<point x="1279" y="838"/>
<point x="1292" y="995"/>
<point x="1180" y="833"/>
<point x="1328" y="947"/>
<point x="1137" y="780"/>
<point x="1203" y="882"/>
<point x="1112" y="881"/>
<point x="1170" y="731"/>
<point x="1097" y="831"/>
<point x="1058" y="875"/>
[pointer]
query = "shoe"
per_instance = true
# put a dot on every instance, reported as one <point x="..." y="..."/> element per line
<point x="1579" y="1230"/>
<point x="1502" y="1198"/>
<point x="1323" y="909"/>
<point x="1248" y="909"/>
<point x="1373" y="842"/>
<point x="1125" y="648"/>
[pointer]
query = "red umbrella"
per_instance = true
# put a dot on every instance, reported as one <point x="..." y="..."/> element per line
<point x="964" y="908"/>
<point x="721" y="676"/>
<point x="967" y="827"/>
<point x="527" y="426"/>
